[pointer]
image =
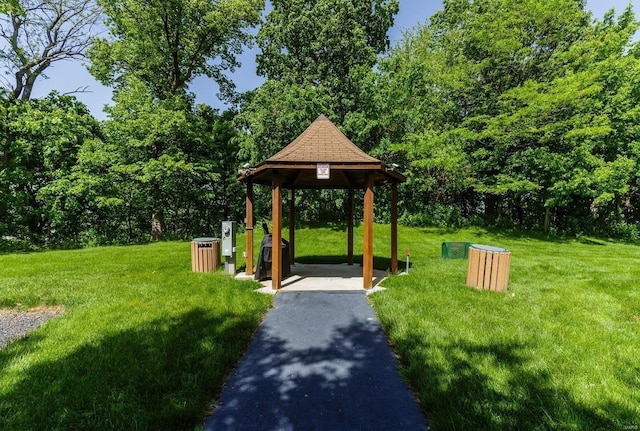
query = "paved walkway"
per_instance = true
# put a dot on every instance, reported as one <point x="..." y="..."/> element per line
<point x="319" y="361"/>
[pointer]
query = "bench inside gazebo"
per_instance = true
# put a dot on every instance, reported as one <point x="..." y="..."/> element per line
<point x="322" y="157"/>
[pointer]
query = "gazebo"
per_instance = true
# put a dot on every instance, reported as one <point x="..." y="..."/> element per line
<point x="322" y="157"/>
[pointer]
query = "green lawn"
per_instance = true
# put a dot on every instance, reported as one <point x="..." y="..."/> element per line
<point x="559" y="350"/>
<point x="145" y="343"/>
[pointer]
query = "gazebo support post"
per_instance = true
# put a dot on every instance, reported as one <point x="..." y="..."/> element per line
<point x="276" y="238"/>
<point x="350" y="228"/>
<point x="394" y="228"/>
<point x="367" y="253"/>
<point x="249" y="225"/>
<point x="292" y="226"/>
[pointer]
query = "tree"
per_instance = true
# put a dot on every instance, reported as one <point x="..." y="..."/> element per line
<point x="33" y="36"/>
<point x="318" y="57"/>
<point x="314" y="55"/>
<point x="454" y="70"/>
<point x="503" y="45"/>
<point x="163" y="45"/>
<point x="167" y="43"/>
<point x="38" y="33"/>
<point x="48" y="134"/>
<point x="324" y="43"/>
<point x="525" y="110"/>
<point x="194" y="175"/>
<point x="419" y="92"/>
<point x="569" y="142"/>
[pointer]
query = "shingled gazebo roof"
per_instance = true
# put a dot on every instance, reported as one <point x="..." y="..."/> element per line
<point x="321" y="143"/>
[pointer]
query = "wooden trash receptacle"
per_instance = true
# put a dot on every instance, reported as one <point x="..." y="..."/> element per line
<point x="488" y="267"/>
<point x="205" y="254"/>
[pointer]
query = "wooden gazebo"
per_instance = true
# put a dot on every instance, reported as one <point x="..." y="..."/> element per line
<point x="322" y="157"/>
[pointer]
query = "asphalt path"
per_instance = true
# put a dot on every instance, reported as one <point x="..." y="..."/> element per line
<point x="319" y="361"/>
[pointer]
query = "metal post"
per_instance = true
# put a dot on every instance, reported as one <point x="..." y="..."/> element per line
<point x="407" y="253"/>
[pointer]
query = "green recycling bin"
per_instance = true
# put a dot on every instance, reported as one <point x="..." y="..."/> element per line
<point x="455" y="250"/>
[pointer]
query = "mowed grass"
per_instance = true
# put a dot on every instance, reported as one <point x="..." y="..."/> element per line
<point x="144" y="342"/>
<point x="559" y="351"/>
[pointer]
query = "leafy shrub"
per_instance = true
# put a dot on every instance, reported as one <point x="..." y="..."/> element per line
<point x="435" y="215"/>
<point x="625" y="231"/>
<point x="11" y="244"/>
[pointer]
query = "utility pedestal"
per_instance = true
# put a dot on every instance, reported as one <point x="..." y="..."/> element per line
<point x="229" y="246"/>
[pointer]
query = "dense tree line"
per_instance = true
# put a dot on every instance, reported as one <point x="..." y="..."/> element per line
<point x="520" y="114"/>
<point x="159" y="166"/>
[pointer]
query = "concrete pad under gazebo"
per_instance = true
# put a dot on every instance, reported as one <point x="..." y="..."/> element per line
<point x="322" y="157"/>
<point x="314" y="277"/>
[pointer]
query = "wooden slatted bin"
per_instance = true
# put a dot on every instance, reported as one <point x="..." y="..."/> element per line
<point x="488" y="267"/>
<point x="205" y="254"/>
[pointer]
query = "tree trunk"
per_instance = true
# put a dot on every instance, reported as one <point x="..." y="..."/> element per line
<point x="28" y="87"/>
<point x="491" y="207"/>
<point x="157" y="224"/>
<point x="519" y="213"/>
<point x="547" y="220"/>
<point x="157" y="215"/>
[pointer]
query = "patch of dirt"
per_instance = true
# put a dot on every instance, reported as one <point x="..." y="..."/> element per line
<point x="56" y="309"/>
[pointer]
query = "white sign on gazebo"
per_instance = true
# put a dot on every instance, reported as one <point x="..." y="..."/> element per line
<point x="323" y="171"/>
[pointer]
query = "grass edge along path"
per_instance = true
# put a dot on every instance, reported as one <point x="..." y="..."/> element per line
<point x="144" y="343"/>
<point x="559" y="350"/>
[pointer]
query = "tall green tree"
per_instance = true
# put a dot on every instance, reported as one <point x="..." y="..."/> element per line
<point x="34" y="35"/>
<point x="164" y="45"/>
<point x="569" y="143"/>
<point x="48" y="134"/>
<point x="502" y="46"/>
<point x="325" y="43"/>
<point x="314" y="55"/>
<point x="420" y="91"/>
<point x="193" y="173"/>
<point x="506" y="107"/>
<point x="317" y="57"/>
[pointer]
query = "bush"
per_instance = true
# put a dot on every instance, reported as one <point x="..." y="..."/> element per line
<point x="11" y="244"/>
<point x="437" y="216"/>
<point x="625" y="231"/>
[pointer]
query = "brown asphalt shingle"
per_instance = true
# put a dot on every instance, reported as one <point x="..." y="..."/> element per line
<point x="322" y="142"/>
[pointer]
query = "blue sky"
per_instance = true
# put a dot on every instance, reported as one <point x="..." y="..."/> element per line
<point x="67" y="76"/>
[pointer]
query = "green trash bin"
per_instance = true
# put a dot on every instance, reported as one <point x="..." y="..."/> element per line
<point x="455" y="250"/>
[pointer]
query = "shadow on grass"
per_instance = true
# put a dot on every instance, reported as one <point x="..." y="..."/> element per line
<point x="516" y="234"/>
<point x="540" y="236"/>
<point x="336" y="226"/>
<point x="456" y="392"/>
<point x="161" y="376"/>
<point x="380" y="263"/>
